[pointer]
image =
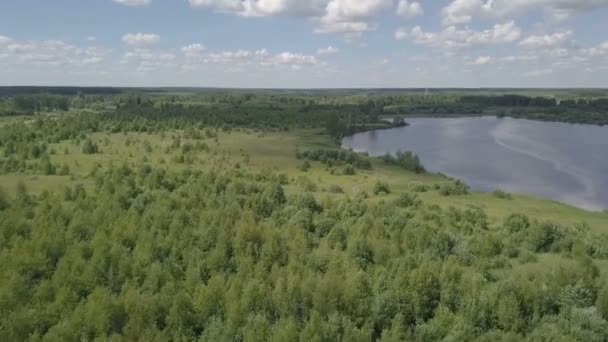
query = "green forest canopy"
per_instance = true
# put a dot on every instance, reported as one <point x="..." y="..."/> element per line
<point x="180" y="242"/>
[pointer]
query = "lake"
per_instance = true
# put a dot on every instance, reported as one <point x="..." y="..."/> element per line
<point x="563" y="162"/>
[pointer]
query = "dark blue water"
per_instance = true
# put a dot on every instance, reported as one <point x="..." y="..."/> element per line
<point x="564" y="162"/>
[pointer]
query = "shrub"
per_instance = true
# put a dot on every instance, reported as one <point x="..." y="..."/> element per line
<point x="502" y="194"/>
<point x="305" y="166"/>
<point x="381" y="187"/>
<point x="336" y="157"/>
<point x="306" y="184"/>
<point x="90" y="147"/>
<point x="348" y="170"/>
<point x="407" y="200"/>
<point x="454" y="189"/>
<point x="405" y="160"/>
<point x="418" y="187"/>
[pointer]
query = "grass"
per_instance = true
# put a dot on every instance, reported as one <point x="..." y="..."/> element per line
<point x="260" y="151"/>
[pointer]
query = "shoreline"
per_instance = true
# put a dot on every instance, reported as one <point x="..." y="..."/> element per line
<point x="450" y="177"/>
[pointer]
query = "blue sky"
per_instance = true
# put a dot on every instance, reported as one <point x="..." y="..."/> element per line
<point x="305" y="43"/>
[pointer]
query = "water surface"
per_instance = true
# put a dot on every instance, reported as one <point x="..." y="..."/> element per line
<point x="564" y="162"/>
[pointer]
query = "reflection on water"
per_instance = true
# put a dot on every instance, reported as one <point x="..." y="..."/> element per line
<point x="564" y="162"/>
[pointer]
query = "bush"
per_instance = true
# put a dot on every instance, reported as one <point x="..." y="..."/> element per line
<point x="502" y="194"/>
<point x="336" y="157"/>
<point x="454" y="189"/>
<point x="305" y="166"/>
<point x="348" y="170"/>
<point x="381" y="187"/>
<point x="418" y="187"/>
<point x="306" y="184"/>
<point x="405" y="160"/>
<point x="90" y="147"/>
<point x="407" y="200"/>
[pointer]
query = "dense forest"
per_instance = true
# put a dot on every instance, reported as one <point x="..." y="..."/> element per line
<point x="352" y="108"/>
<point x="198" y="247"/>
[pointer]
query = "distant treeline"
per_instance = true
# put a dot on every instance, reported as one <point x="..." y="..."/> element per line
<point x="525" y="101"/>
<point x="15" y="91"/>
<point x="339" y="111"/>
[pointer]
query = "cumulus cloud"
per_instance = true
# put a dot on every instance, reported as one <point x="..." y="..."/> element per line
<point x="50" y="53"/>
<point x="519" y="58"/>
<point x="140" y="39"/>
<point x="4" y="40"/>
<point x="597" y="51"/>
<point x="293" y="60"/>
<point x="554" y="40"/>
<point x="409" y="9"/>
<point x="193" y="49"/>
<point x="481" y="60"/>
<point x="263" y="8"/>
<point x="455" y="38"/>
<point x="328" y="16"/>
<point x="401" y="33"/>
<point x="463" y="11"/>
<point x="133" y="3"/>
<point x="350" y="16"/>
<point x="330" y="50"/>
<point x="197" y="57"/>
<point x="460" y="11"/>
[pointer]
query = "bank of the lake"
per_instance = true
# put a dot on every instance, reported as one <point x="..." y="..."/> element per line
<point x="558" y="161"/>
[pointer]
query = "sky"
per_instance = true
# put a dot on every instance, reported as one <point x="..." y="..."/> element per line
<point x="305" y="43"/>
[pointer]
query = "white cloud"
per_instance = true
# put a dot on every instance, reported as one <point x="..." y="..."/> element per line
<point x="263" y="8"/>
<point x="401" y="33"/>
<point x="330" y="50"/>
<point x="91" y="39"/>
<point x="554" y="40"/>
<point x="328" y="16"/>
<point x="596" y="51"/>
<point x="144" y="60"/>
<point x="133" y="3"/>
<point x="350" y="16"/>
<point x="409" y="9"/>
<point x="481" y="60"/>
<point x="349" y="27"/>
<point x="454" y="38"/>
<point x="140" y="39"/>
<point x="51" y="53"/>
<point x="291" y="59"/>
<point x="460" y="11"/>
<point x="193" y="49"/>
<point x="520" y="58"/>
<point x="346" y="10"/>
<point x="243" y="60"/>
<point x="463" y="11"/>
<point x="167" y="57"/>
<point x="95" y="51"/>
<point x="5" y="40"/>
<point x="92" y="60"/>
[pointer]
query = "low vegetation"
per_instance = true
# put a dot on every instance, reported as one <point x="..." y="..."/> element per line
<point x="405" y="160"/>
